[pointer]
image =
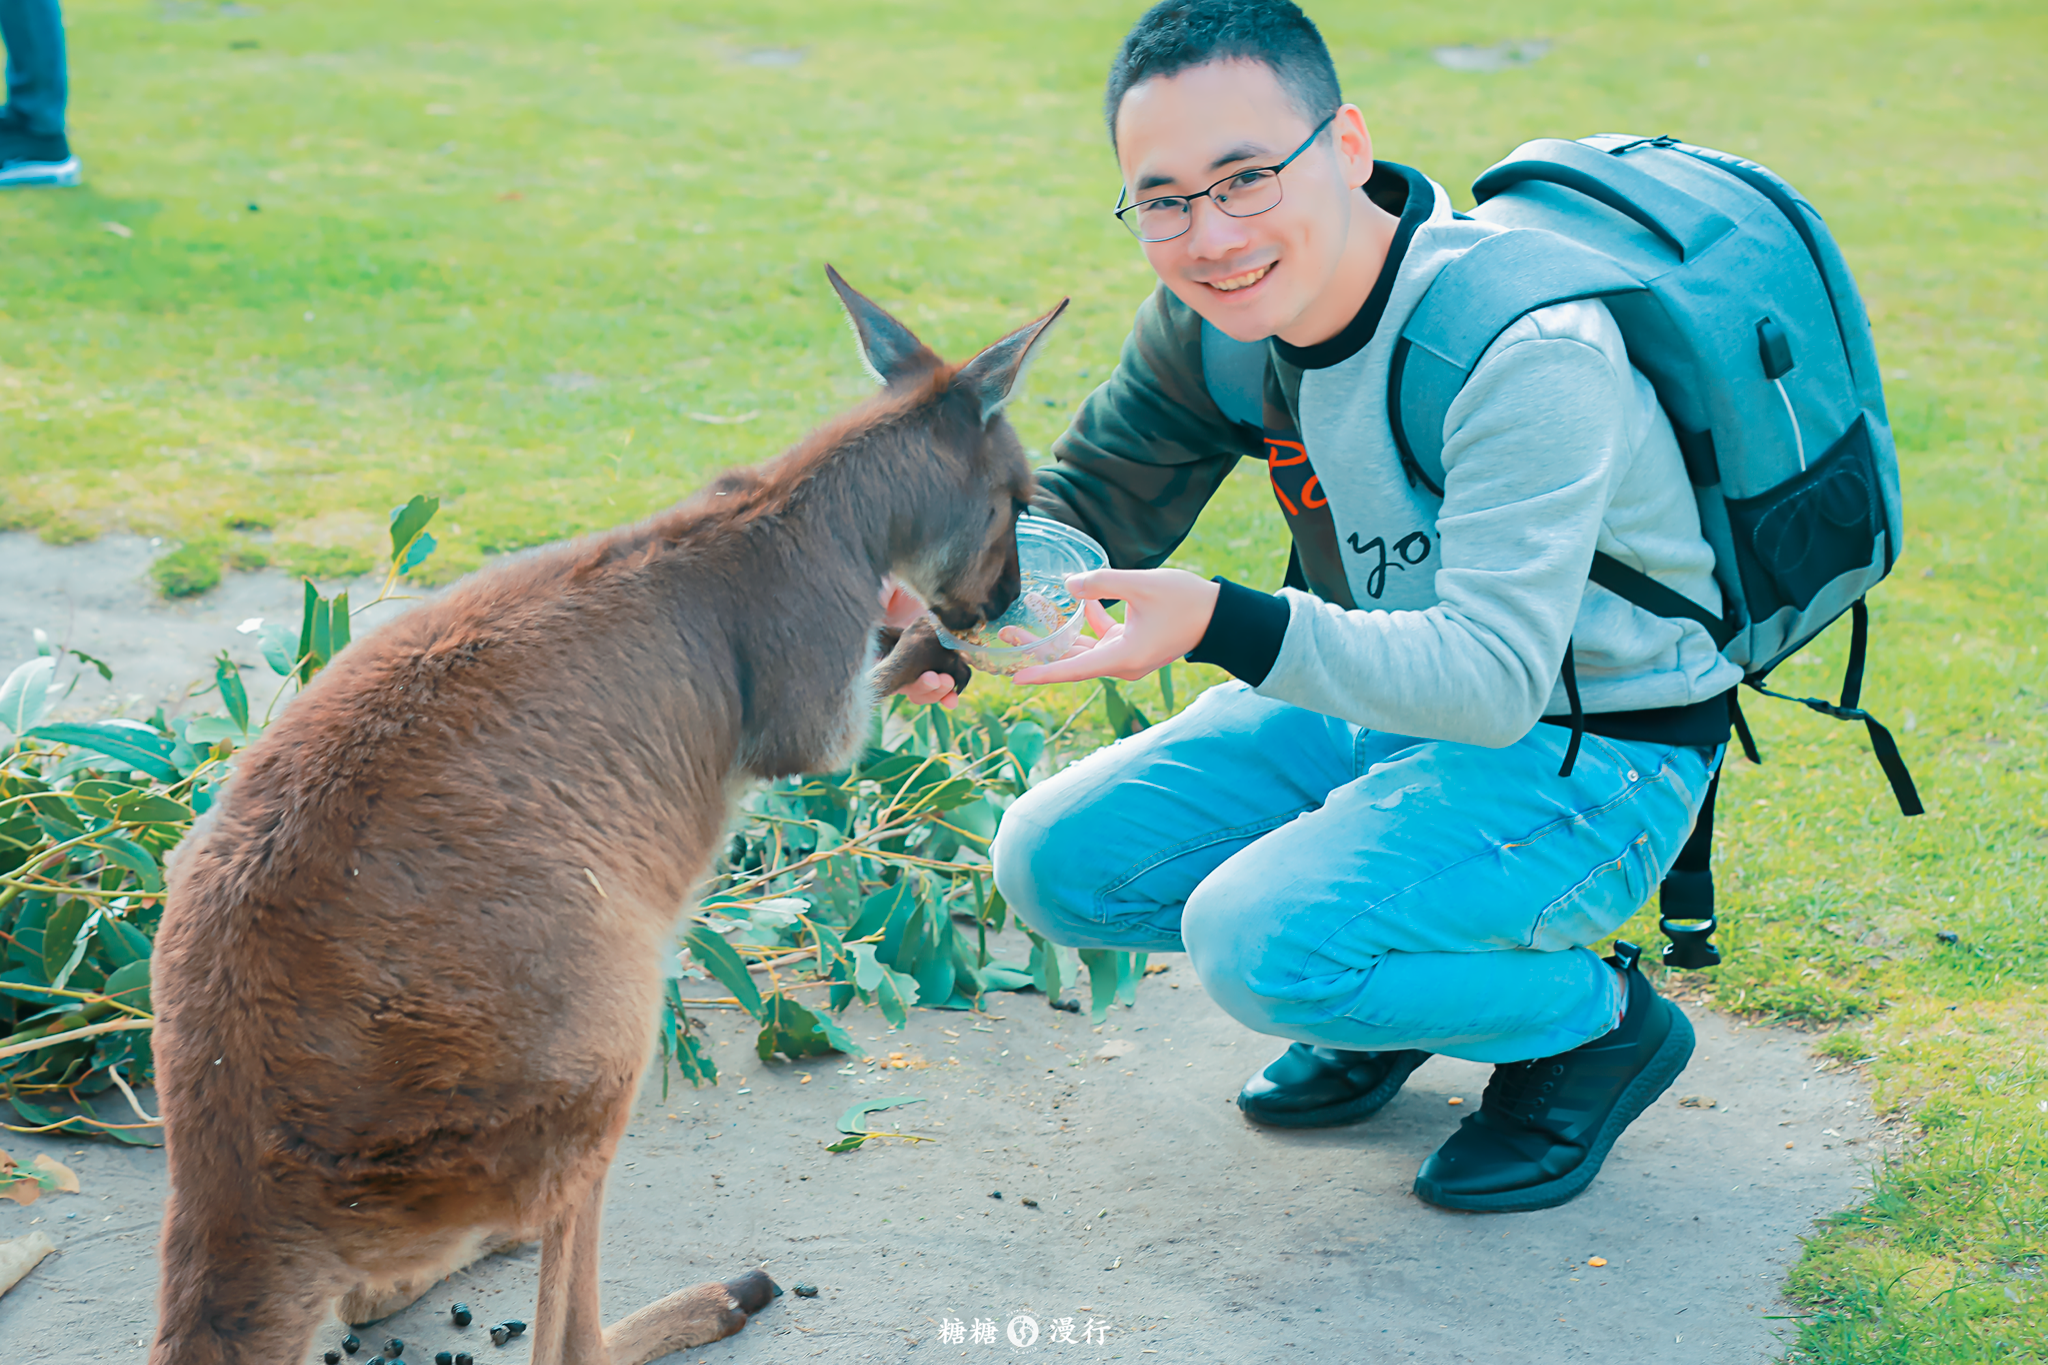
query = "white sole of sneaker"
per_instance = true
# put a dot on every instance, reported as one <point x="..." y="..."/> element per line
<point x="27" y="174"/>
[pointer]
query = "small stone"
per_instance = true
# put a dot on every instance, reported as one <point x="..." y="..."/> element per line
<point x="805" y="1291"/>
<point x="1029" y="1203"/>
<point x="461" y="1314"/>
<point x="351" y="1343"/>
<point x="1696" y="1101"/>
<point x="995" y="1194"/>
<point x="1597" y="1261"/>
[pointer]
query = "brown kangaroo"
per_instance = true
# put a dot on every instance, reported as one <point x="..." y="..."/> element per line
<point x="409" y="969"/>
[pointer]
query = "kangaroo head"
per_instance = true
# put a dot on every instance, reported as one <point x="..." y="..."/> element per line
<point x="955" y="540"/>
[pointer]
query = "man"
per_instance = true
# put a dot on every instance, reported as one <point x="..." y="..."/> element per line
<point x="1377" y="842"/>
<point x="33" y="150"/>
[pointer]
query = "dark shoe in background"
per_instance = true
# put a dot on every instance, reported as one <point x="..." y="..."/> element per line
<point x="28" y="159"/>
<point x="1544" y="1127"/>
<point x="1321" y="1087"/>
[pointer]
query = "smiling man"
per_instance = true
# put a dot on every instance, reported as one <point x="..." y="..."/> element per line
<point x="1386" y="838"/>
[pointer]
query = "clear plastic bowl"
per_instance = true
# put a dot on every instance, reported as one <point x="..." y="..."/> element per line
<point x="1047" y="551"/>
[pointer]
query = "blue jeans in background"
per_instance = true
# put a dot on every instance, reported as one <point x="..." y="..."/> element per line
<point x="1338" y="886"/>
<point x="33" y="31"/>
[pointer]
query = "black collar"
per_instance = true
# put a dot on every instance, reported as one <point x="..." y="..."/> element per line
<point x="1398" y="190"/>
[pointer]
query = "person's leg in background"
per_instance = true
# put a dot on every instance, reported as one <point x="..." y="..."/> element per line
<point x="33" y="146"/>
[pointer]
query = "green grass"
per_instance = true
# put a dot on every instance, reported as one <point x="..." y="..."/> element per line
<point x="510" y="253"/>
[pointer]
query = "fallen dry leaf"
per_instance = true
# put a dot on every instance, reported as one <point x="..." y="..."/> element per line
<point x="20" y="1255"/>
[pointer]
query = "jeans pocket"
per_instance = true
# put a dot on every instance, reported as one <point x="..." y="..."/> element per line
<point x="1602" y="901"/>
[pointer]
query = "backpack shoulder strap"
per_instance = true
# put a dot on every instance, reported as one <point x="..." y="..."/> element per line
<point x="1473" y="300"/>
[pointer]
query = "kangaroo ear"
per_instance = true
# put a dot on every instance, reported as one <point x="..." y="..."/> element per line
<point x="887" y="347"/>
<point x="993" y="376"/>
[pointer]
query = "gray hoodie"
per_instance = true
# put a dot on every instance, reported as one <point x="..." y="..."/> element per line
<point x="1464" y="605"/>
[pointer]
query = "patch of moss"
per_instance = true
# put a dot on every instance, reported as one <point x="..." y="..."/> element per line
<point x="247" y="555"/>
<point x="189" y="570"/>
<point x="58" y="529"/>
<point x="321" y="562"/>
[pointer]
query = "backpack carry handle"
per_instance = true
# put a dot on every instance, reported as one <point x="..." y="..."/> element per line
<point x="1686" y="225"/>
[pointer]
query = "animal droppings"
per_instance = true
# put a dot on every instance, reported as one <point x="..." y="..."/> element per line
<point x="499" y="1336"/>
<point x="1029" y="1203"/>
<point x="1948" y="936"/>
<point x="514" y="1326"/>
<point x="461" y="1314"/>
<point x="351" y="1343"/>
<point x="995" y="1194"/>
<point x="394" y="1348"/>
<point x="444" y="1358"/>
<point x="805" y="1291"/>
<point x="464" y="1358"/>
<point x="332" y="1357"/>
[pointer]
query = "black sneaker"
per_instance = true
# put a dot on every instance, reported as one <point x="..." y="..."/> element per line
<point x="1544" y="1128"/>
<point x="34" y="159"/>
<point x="1321" y="1087"/>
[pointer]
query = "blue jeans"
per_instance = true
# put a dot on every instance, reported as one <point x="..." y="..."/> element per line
<point x="1335" y="885"/>
<point x="33" y="31"/>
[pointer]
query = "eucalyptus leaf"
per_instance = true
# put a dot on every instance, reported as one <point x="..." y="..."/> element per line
<point x="60" y="937"/>
<point x="408" y="522"/>
<point x="855" y="1119"/>
<point x="1027" y="746"/>
<point x="722" y="962"/>
<point x="138" y="746"/>
<point x="120" y="943"/>
<point x="227" y="676"/>
<point x="1102" y="979"/>
<point x="129" y="986"/>
<point x="278" y="642"/>
<point x="123" y="850"/>
<point x="417" y="552"/>
<point x="25" y="695"/>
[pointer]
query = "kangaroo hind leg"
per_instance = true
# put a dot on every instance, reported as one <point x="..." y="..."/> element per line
<point x="689" y="1317"/>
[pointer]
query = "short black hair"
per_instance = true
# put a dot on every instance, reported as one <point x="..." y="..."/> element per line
<point x="1177" y="34"/>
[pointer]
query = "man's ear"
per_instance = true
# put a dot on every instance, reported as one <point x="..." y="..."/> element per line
<point x="993" y="376"/>
<point x="891" y="354"/>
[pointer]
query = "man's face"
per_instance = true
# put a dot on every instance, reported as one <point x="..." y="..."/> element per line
<point x="1250" y="277"/>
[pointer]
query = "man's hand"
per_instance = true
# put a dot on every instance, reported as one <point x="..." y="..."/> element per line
<point x="1166" y="613"/>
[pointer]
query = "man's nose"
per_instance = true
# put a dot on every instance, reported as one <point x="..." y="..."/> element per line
<point x="1214" y="234"/>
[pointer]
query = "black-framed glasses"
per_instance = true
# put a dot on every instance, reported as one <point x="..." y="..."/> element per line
<point x="1241" y="194"/>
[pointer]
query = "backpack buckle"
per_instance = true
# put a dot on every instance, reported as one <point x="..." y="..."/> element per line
<point x="1691" y="947"/>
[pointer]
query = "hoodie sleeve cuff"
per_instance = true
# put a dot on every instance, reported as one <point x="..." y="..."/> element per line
<point x="1245" y="632"/>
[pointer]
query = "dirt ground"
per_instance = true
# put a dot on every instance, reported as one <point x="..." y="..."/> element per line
<point x="1176" y="1230"/>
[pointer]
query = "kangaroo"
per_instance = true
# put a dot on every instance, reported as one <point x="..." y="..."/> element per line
<point x="409" y="968"/>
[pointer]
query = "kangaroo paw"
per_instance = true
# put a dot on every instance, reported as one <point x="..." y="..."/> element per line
<point x="753" y="1291"/>
<point x="917" y="651"/>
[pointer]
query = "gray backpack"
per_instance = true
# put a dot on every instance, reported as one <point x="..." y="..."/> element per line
<point x="1737" y="307"/>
